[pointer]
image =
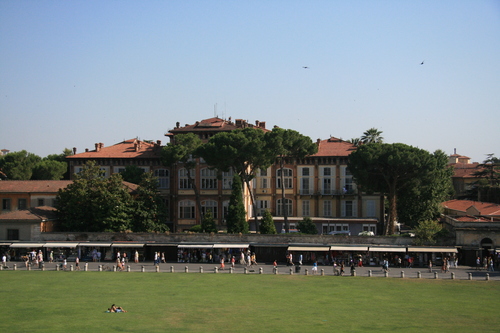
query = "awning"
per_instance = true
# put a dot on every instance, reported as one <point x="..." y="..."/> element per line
<point x="309" y="248"/>
<point x="231" y="246"/>
<point x="195" y="246"/>
<point x="26" y="245"/>
<point x="387" y="249"/>
<point x="5" y="244"/>
<point x="161" y="244"/>
<point x="348" y="248"/>
<point x="95" y="244"/>
<point x="61" y="244"/>
<point x="127" y="245"/>
<point x="432" y="249"/>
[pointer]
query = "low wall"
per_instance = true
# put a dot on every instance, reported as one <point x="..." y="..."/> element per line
<point x="225" y="238"/>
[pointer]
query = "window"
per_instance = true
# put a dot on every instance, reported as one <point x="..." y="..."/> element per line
<point x="210" y="205"/>
<point x="305" y="187"/>
<point x="327" y="208"/>
<point x="348" y="186"/>
<point x="22" y="204"/>
<point x="41" y="202"/>
<point x="262" y="206"/>
<point x="263" y="173"/>
<point x="327" y="181"/>
<point x="184" y="183"/>
<point x="163" y="176"/>
<point x="12" y="234"/>
<point x="264" y="183"/>
<point x="225" y="209"/>
<point x="370" y="227"/>
<point x="227" y="180"/>
<point x="305" y="172"/>
<point x="208" y="179"/>
<point x="349" y="208"/>
<point x="370" y="208"/>
<point x="287" y="178"/>
<point x="288" y="207"/>
<point x="5" y="204"/>
<point x="306" y="208"/>
<point x="186" y="209"/>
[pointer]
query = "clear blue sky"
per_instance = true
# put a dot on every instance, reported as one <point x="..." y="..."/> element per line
<point x="73" y="73"/>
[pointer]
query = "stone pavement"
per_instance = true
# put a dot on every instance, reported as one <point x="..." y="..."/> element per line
<point x="459" y="273"/>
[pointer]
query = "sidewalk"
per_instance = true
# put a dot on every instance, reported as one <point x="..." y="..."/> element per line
<point x="460" y="273"/>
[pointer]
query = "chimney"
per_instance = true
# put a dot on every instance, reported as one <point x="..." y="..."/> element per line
<point x="257" y="123"/>
<point x="262" y="124"/>
<point x="318" y="142"/>
<point x="158" y="142"/>
<point x="177" y="124"/>
<point x="74" y="150"/>
<point x="136" y="146"/>
<point x="86" y="150"/>
<point x="97" y="147"/>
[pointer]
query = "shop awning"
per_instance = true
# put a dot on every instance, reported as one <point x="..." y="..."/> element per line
<point x="61" y="244"/>
<point x="5" y="244"/>
<point x="95" y="244"/>
<point x="432" y="249"/>
<point x="348" y="248"/>
<point x="195" y="246"/>
<point x="231" y="246"/>
<point x="309" y="248"/>
<point x="386" y="249"/>
<point x="26" y="245"/>
<point x="161" y="244"/>
<point x="127" y="245"/>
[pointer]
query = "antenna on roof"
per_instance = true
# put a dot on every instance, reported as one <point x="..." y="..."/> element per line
<point x="215" y="110"/>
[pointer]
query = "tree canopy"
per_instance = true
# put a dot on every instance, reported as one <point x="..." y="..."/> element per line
<point x="307" y="226"/>
<point x="487" y="186"/>
<point x="93" y="203"/>
<point x="236" y="220"/>
<point x="23" y="165"/>
<point x="267" y="224"/>
<point x="392" y="169"/>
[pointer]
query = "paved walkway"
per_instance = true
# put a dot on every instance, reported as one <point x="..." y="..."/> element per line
<point x="460" y="273"/>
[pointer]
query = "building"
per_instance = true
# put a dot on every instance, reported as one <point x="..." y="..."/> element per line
<point x="318" y="186"/>
<point x="475" y="227"/>
<point x="463" y="174"/>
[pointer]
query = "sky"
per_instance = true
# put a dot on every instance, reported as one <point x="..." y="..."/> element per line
<point x="425" y="73"/>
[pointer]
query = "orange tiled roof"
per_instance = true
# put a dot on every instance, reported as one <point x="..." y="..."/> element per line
<point x="132" y="148"/>
<point x="216" y="124"/>
<point x="334" y="147"/>
<point x="33" y="186"/>
<point x="36" y="214"/>
<point x="468" y="218"/>
<point x="484" y="208"/>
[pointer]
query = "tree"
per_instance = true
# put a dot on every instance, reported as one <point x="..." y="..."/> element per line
<point x="488" y="183"/>
<point x="93" y="203"/>
<point x="267" y="224"/>
<point x="283" y="144"/>
<point x="19" y="165"/>
<point x="307" y="226"/>
<point x="208" y="223"/>
<point x="49" y="170"/>
<point x="133" y="174"/>
<point x="355" y="141"/>
<point x="372" y="135"/>
<point x="426" y="232"/>
<point x="150" y="211"/>
<point x="183" y="150"/>
<point x="421" y="200"/>
<point x="392" y="168"/>
<point x="236" y="221"/>
<point x="243" y="151"/>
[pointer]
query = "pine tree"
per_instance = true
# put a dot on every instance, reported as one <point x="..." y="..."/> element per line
<point x="236" y="221"/>
<point x="267" y="224"/>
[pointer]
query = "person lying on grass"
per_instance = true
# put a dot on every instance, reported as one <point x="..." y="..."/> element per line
<point x="115" y="308"/>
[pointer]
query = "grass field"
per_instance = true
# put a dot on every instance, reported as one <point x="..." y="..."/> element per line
<point x="53" y="301"/>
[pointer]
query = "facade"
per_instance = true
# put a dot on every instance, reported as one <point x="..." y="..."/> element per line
<point x="319" y="186"/>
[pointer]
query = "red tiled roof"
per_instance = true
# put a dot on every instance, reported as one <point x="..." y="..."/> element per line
<point x="484" y="208"/>
<point x="215" y="124"/>
<point x="334" y="147"/>
<point x="36" y="214"/>
<point x="461" y="170"/>
<point x="33" y="186"/>
<point x="468" y="218"/>
<point x="132" y="148"/>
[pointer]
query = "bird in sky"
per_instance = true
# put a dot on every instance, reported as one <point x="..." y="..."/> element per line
<point x="422" y="63"/>
<point x="305" y="67"/>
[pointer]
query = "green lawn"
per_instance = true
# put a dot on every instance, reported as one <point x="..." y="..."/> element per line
<point x="50" y="301"/>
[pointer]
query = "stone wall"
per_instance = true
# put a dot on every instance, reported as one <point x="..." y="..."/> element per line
<point x="225" y="238"/>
